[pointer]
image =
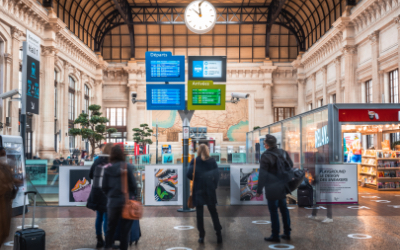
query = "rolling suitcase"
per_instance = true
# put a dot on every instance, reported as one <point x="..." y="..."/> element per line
<point x="135" y="233"/>
<point x="305" y="195"/>
<point x="30" y="238"/>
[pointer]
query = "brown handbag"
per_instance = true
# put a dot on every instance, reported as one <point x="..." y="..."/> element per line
<point x="132" y="210"/>
<point x="190" y="200"/>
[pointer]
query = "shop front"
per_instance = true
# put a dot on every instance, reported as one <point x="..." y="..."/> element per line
<point x="341" y="147"/>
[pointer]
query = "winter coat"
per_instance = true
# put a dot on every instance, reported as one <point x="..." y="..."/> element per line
<point x="8" y="190"/>
<point x="97" y="200"/>
<point x="205" y="181"/>
<point x="112" y="185"/>
<point x="269" y="176"/>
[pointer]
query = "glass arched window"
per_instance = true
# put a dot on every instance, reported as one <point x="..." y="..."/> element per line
<point x="86" y="101"/>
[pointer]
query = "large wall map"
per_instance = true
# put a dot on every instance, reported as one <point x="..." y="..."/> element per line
<point x="233" y="122"/>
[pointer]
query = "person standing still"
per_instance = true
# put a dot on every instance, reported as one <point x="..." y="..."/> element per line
<point x="271" y="180"/>
<point x="116" y="198"/>
<point x="204" y="186"/>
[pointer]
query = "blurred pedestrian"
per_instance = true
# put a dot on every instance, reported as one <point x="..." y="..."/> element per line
<point x="328" y="199"/>
<point x="205" y="183"/>
<point x="271" y="161"/>
<point x="8" y="191"/>
<point x="97" y="199"/>
<point x="116" y="198"/>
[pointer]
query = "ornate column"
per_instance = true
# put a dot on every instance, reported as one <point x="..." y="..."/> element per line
<point x="385" y="87"/>
<point x="46" y="108"/>
<point x="313" y="99"/>
<point x="324" y="83"/>
<point x="300" y="96"/>
<point x="64" y="124"/>
<point x="397" y="21"/>
<point x="338" y="79"/>
<point x="376" y="93"/>
<point x="268" y="69"/>
<point x="7" y="77"/>
<point x="17" y="35"/>
<point x="133" y="117"/>
<point x="350" y="63"/>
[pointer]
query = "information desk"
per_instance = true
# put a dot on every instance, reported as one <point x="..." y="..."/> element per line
<point x="74" y="185"/>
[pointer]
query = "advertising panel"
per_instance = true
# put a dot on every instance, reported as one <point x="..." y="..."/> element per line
<point x="165" y="96"/>
<point x="163" y="185"/>
<point x="36" y="171"/>
<point x="204" y="95"/>
<point x="244" y="184"/>
<point x="74" y="185"/>
<point x="336" y="184"/>
<point x="164" y="67"/>
<point x="369" y="115"/>
<point x="352" y="147"/>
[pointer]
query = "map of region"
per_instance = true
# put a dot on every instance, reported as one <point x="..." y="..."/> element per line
<point x="233" y="122"/>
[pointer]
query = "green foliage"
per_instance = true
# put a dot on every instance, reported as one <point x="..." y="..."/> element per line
<point x="257" y="127"/>
<point x="140" y="135"/>
<point x="93" y="127"/>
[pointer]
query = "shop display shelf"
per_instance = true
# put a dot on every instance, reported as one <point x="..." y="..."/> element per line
<point x="365" y="164"/>
<point x="368" y="174"/>
<point x="369" y="156"/>
<point x="388" y="168"/>
<point x="367" y="183"/>
<point x="388" y="178"/>
<point x="389" y="189"/>
<point x="388" y="159"/>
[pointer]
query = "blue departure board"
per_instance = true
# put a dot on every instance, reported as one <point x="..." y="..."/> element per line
<point x="165" y="96"/>
<point x="165" y="69"/>
<point x="162" y="96"/>
<point x="162" y="66"/>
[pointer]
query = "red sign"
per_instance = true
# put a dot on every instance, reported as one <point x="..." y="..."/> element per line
<point x="369" y="115"/>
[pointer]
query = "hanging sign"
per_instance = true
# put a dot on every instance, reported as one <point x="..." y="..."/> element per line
<point x="204" y="95"/>
<point x="31" y="73"/>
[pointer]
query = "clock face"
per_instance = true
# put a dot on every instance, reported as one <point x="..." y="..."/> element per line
<point x="200" y="16"/>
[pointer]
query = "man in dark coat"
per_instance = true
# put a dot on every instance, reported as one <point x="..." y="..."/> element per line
<point x="277" y="189"/>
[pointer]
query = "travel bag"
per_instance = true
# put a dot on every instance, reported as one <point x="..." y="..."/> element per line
<point x="135" y="232"/>
<point x="30" y="238"/>
<point x="305" y="195"/>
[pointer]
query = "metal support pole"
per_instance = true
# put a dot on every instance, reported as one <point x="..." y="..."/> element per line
<point x="157" y="141"/>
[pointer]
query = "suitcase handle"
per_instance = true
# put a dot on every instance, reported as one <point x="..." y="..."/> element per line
<point x="24" y="208"/>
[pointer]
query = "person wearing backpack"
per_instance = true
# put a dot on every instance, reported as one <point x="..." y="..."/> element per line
<point x="97" y="200"/>
<point x="204" y="169"/>
<point x="274" y="164"/>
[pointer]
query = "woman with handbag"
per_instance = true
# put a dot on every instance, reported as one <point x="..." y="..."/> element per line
<point x="204" y="172"/>
<point x="118" y="196"/>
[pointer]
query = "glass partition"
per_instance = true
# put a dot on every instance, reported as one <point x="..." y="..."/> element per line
<point x="291" y="140"/>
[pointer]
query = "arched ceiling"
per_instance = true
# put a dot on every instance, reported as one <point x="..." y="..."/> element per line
<point x="308" y="18"/>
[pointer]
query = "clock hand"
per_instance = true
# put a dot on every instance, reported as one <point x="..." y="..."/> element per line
<point x="200" y="7"/>
<point x="197" y="12"/>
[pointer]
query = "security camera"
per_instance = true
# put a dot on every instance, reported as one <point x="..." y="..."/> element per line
<point x="9" y="94"/>
<point x="133" y="98"/>
<point x="133" y="94"/>
<point x="236" y="96"/>
<point x="240" y="95"/>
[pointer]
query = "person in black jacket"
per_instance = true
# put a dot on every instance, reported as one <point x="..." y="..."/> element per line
<point x="97" y="199"/>
<point x="116" y="199"/>
<point x="204" y="185"/>
<point x="270" y="179"/>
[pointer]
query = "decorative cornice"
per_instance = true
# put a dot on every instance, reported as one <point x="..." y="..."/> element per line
<point x="338" y="61"/>
<point x="349" y="50"/>
<point x="374" y="37"/>
<point x="49" y="51"/>
<point x="16" y="33"/>
<point x="98" y="82"/>
<point x="8" y="58"/>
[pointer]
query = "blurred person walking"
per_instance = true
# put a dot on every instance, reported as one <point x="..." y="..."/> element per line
<point x="205" y="171"/>
<point x="8" y="191"/>
<point x="97" y="199"/>
<point x="271" y="164"/>
<point x="327" y="198"/>
<point x="116" y="198"/>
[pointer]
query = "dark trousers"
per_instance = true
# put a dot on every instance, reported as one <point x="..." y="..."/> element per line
<point x="114" y="216"/>
<point x="273" y="206"/>
<point x="200" y="219"/>
<point x="101" y="221"/>
<point x="328" y="212"/>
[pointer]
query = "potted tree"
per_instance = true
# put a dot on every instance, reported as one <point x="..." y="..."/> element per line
<point x="141" y="136"/>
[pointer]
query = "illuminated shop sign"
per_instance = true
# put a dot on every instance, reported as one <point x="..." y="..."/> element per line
<point x="321" y="136"/>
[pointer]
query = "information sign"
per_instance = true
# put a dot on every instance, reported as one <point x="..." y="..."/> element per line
<point x="31" y="73"/>
<point x="165" y="96"/>
<point x="164" y="67"/>
<point x="207" y="68"/>
<point x="204" y="95"/>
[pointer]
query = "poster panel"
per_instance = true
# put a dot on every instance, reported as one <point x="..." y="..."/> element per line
<point x="36" y="171"/>
<point x="163" y="185"/>
<point x="74" y="186"/>
<point x="167" y="159"/>
<point x="336" y="184"/>
<point x="244" y="184"/>
<point x="352" y="147"/>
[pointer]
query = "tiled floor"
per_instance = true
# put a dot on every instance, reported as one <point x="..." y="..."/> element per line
<point x="73" y="227"/>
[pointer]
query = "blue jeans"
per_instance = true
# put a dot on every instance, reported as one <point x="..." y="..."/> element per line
<point x="101" y="220"/>
<point x="273" y="210"/>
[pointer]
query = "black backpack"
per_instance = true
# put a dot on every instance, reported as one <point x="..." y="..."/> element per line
<point x="292" y="176"/>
